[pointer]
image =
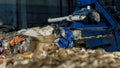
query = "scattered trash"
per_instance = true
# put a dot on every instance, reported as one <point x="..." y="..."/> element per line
<point x="41" y="51"/>
<point x="16" y="40"/>
<point x="1" y="62"/>
<point x="18" y="44"/>
<point x="27" y="55"/>
<point x="66" y="39"/>
<point x="46" y="31"/>
<point x="35" y="32"/>
<point x="29" y="32"/>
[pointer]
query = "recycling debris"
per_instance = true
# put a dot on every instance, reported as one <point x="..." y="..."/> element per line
<point x="21" y="50"/>
<point x="46" y="31"/>
<point x="34" y="32"/>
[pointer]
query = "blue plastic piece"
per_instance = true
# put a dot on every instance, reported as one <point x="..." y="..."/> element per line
<point x="63" y="42"/>
<point x="67" y="41"/>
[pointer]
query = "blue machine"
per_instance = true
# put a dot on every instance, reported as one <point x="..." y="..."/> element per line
<point x="108" y="24"/>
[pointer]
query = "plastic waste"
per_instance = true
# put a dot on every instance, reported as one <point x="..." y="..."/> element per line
<point x="31" y="33"/>
<point x="46" y="31"/>
<point x="65" y="41"/>
<point x="16" y="40"/>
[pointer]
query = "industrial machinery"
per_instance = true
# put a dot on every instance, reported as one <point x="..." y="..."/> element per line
<point x="91" y="23"/>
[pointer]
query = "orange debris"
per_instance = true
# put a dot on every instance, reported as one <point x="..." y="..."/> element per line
<point x="16" y="40"/>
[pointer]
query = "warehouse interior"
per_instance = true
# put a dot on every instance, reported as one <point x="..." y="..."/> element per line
<point x="59" y="33"/>
<point x="38" y="11"/>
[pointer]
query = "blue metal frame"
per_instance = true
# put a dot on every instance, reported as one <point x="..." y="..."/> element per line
<point x="85" y="2"/>
<point x="110" y="23"/>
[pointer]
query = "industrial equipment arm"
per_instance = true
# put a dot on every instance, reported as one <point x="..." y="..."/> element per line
<point x="67" y="18"/>
<point x="79" y="15"/>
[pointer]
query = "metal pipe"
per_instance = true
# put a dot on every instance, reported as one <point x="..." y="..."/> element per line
<point x="67" y="18"/>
